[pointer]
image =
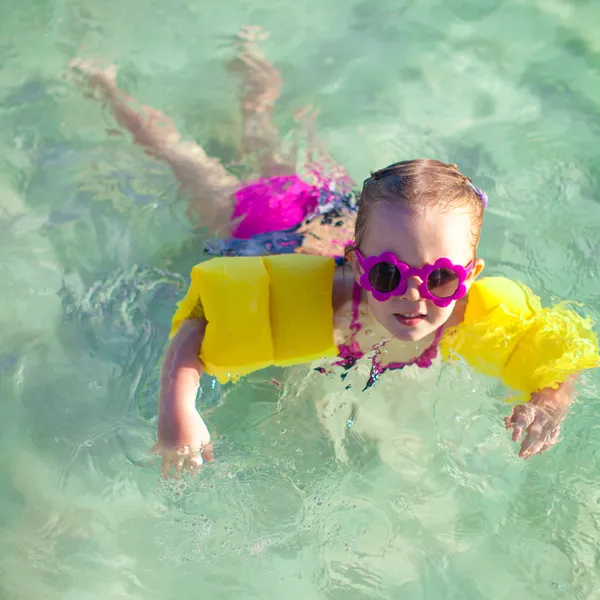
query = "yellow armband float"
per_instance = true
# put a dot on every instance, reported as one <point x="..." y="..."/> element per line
<point x="506" y="333"/>
<point x="261" y="311"/>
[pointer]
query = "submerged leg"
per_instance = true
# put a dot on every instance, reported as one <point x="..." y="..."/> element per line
<point x="204" y="179"/>
<point x="259" y="92"/>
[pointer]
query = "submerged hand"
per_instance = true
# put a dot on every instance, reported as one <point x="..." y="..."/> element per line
<point x="183" y="441"/>
<point x="541" y="422"/>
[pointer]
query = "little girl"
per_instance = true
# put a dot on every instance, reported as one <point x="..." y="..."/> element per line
<point x="413" y="260"/>
<point x="412" y="254"/>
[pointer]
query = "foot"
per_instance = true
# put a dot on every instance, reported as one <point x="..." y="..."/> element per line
<point x="99" y="81"/>
<point x="261" y="80"/>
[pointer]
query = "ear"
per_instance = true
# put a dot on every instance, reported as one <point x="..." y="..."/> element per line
<point x="476" y="270"/>
<point x="351" y="258"/>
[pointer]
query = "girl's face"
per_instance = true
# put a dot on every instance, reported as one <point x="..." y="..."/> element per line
<point x="416" y="236"/>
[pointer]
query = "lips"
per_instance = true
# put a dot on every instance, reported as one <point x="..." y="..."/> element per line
<point x="409" y="319"/>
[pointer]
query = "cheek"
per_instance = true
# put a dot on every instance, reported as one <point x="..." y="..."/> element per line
<point x="437" y="314"/>
<point x="379" y="308"/>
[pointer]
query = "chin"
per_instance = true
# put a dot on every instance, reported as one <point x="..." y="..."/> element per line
<point x="410" y="334"/>
<point x="413" y="334"/>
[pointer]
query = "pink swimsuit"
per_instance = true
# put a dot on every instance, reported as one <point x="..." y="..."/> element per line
<point x="350" y="353"/>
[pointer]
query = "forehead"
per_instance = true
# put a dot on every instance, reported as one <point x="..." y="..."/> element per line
<point x="418" y="235"/>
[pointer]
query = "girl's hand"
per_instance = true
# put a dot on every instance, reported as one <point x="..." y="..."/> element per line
<point x="541" y="420"/>
<point x="183" y="441"/>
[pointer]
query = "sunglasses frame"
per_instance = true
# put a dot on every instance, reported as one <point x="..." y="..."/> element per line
<point x="367" y="263"/>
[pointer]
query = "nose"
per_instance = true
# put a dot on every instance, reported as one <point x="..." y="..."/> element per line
<point x="412" y="289"/>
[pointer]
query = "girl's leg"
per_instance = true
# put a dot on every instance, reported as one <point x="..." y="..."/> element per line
<point x="204" y="179"/>
<point x="259" y="92"/>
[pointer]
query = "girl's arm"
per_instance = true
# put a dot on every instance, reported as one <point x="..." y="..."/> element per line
<point x="183" y="437"/>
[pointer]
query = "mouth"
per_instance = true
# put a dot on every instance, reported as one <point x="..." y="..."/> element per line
<point x="409" y="319"/>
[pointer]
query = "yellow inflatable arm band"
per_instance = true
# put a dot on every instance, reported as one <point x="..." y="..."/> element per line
<point x="506" y="333"/>
<point x="261" y="311"/>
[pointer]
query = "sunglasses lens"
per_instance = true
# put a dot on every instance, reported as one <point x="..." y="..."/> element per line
<point x="443" y="283"/>
<point x="384" y="277"/>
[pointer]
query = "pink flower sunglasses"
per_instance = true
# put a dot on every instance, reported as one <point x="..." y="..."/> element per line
<point x="385" y="276"/>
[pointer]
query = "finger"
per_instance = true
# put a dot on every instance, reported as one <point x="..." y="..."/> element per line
<point x="534" y="433"/>
<point x="165" y="468"/>
<point x="555" y="436"/>
<point x="515" y="413"/>
<point x="181" y="455"/>
<point x="194" y="465"/>
<point x="207" y="453"/>
<point x="522" y="418"/>
<point x="520" y="424"/>
<point x="178" y="463"/>
<point x="551" y="441"/>
<point x="534" y="449"/>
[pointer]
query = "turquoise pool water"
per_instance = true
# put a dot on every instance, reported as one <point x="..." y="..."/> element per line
<point x="424" y="498"/>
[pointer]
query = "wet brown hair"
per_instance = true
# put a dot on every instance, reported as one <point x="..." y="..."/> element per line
<point x="421" y="182"/>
